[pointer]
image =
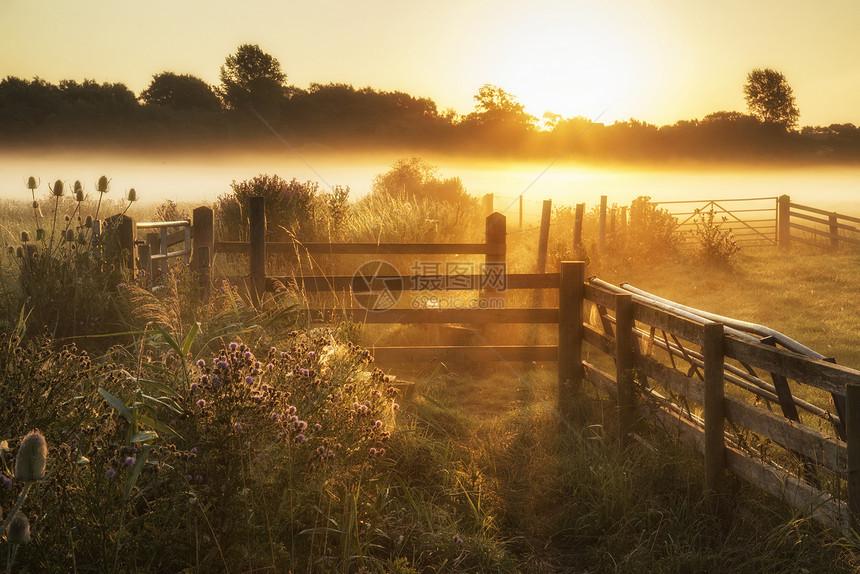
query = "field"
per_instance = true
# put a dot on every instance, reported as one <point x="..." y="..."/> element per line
<point x="240" y="439"/>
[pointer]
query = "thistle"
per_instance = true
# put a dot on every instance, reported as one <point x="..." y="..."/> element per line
<point x="132" y="195"/>
<point x="25" y="237"/>
<point x="31" y="183"/>
<point x="69" y="235"/>
<point x="31" y="459"/>
<point x="103" y="184"/>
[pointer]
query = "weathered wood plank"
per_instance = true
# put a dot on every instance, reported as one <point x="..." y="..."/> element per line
<point x="600" y="379"/>
<point x="600" y="296"/>
<point x="825" y="212"/>
<point x="669" y="322"/>
<point x="820" y="374"/>
<point x="513" y="353"/>
<point x="406" y="316"/>
<point x="384" y="248"/>
<point x="598" y="340"/>
<point x="318" y="283"/>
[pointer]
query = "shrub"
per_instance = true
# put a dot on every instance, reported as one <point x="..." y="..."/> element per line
<point x="717" y="245"/>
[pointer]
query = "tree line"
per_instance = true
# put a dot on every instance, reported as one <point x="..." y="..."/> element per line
<point x="253" y="100"/>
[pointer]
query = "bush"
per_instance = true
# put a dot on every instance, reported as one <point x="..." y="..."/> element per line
<point x="717" y="246"/>
<point x="293" y="209"/>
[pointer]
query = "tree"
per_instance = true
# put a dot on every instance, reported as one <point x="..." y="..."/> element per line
<point x="180" y="92"/>
<point x="251" y="79"/>
<point x="493" y="105"/>
<point x="769" y="97"/>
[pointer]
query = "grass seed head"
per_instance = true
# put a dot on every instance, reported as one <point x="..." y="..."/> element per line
<point x="32" y="457"/>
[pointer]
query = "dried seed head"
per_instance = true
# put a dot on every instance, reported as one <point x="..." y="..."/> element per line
<point x="31" y="459"/>
<point x="19" y="252"/>
<point x="57" y="190"/>
<point x="79" y="195"/>
<point x="40" y="234"/>
<point x="88" y="222"/>
<point x="67" y="218"/>
<point x="82" y="238"/>
<point x="25" y="237"/>
<point x="132" y="195"/>
<point x="78" y="186"/>
<point x="19" y="530"/>
<point x="70" y="235"/>
<point x="35" y="204"/>
<point x="103" y="184"/>
<point x="31" y="183"/>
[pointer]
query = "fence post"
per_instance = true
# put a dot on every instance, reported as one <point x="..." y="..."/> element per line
<point x="257" y="237"/>
<point x="144" y="260"/>
<point x="201" y="256"/>
<point x="624" y="374"/>
<point x="783" y="221"/>
<point x="577" y="228"/>
<point x="623" y="223"/>
<point x="487" y="204"/>
<point x="202" y="235"/>
<point x="601" y="226"/>
<point x="834" y="231"/>
<point x="543" y="240"/>
<point x="123" y="235"/>
<point x="715" y="446"/>
<point x="571" y="298"/>
<point x="165" y="265"/>
<point x="852" y="438"/>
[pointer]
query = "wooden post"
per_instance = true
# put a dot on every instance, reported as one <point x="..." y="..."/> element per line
<point x="144" y="260"/>
<point x="715" y="446"/>
<point x="783" y="221"/>
<point x="601" y="226"/>
<point x="165" y="266"/>
<point x="571" y="298"/>
<point x="543" y="240"/>
<point x="834" y="231"/>
<point x="495" y="258"/>
<point x="153" y="239"/>
<point x="257" y="237"/>
<point x="123" y="232"/>
<point x="487" y="204"/>
<point x="852" y="432"/>
<point x="623" y="223"/>
<point x="202" y="235"/>
<point x="204" y="277"/>
<point x="520" y="197"/>
<point x="624" y="365"/>
<point x="577" y="228"/>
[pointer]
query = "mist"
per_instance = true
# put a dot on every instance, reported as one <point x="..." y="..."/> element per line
<point x="197" y="177"/>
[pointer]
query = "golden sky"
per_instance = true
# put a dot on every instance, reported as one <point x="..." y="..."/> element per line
<point x="654" y="60"/>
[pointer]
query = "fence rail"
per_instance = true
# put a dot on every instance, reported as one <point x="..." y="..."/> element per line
<point x="711" y="398"/>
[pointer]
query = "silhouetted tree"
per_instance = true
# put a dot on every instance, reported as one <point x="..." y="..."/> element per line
<point x="252" y="79"/>
<point x="180" y="92"/>
<point x="770" y="98"/>
<point x="415" y="178"/>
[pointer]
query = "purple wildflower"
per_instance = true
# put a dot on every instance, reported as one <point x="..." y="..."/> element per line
<point x="458" y="540"/>
<point x="270" y="367"/>
<point x="248" y="355"/>
<point x="201" y="403"/>
<point x="193" y="386"/>
<point x="201" y="363"/>
<point x="110" y="473"/>
<point x="5" y="480"/>
<point x="234" y="346"/>
<point x="378" y="424"/>
<point x="193" y="450"/>
<point x="249" y="380"/>
<point x="318" y="426"/>
<point x="312" y="355"/>
<point x="237" y="428"/>
<point x="304" y="372"/>
<point x="301" y="425"/>
<point x="372" y="451"/>
<point x="300" y="438"/>
<point x="291" y="410"/>
<point x="129" y="461"/>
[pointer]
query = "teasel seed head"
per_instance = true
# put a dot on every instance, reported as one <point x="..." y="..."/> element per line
<point x="19" y="530"/>
<point x="103" y="184"/>
<point x="57" y="190"/>
<point x="31" y="183"/>
<point x="32" y="457"/>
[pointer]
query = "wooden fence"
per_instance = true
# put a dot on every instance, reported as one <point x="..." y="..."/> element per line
<point x="752" y="221"/>
<point x="820" y="228"/>
<point x="704" y="383"/>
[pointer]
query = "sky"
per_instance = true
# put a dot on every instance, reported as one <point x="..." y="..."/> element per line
<point x="657" y="61"/>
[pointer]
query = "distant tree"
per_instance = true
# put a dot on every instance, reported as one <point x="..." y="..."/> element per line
<point x="493" y="105"/>
<point x="770" y="98"/>
<point x="180" y="92"/>
<point x="252" y="79"/>
<point x="415" y="178"/>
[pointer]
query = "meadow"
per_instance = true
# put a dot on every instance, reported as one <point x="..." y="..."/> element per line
<point x="192" y="434"/>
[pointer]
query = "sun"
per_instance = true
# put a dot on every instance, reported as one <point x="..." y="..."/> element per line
<point x="573" y="64"/>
